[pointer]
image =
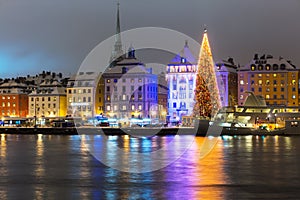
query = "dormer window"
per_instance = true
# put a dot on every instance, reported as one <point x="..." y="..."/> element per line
<point x="183" y="60"/>
<point x="275" y="67"/>
<point x="268" y="67"/>
<point x="282" y="66"/>
<point x="253" y="67"/>
<point x="260" y="67"/>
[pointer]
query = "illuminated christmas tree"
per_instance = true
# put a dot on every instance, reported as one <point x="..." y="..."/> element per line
<point x="207" y="99"/>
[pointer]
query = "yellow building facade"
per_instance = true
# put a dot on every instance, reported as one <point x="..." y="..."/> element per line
<point x="276" y="80"/>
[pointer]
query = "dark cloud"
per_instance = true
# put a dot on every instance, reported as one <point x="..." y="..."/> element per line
<point x="57" y="35"/>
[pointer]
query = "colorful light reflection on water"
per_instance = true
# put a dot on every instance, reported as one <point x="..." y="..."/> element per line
<point x="48" y="167"/>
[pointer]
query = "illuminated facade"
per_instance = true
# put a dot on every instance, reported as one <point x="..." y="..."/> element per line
<point x="181" y="78"/>
<point x="130" y="89"/>
<point x="226" y="72"/>
<point x="13" y="99"/>
<point x="82" y="100"/>
<point x="48" y="100"/>
<point x="276" y="80"/>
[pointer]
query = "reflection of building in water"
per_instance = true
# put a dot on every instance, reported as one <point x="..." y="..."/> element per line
<point x="276" y="80"/>
<point x="226" y="72"/>
<point x="181" y="78"/>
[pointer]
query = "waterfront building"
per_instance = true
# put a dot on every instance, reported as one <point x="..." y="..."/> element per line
<point x="48" y="100"/>
<point x="181" y="80"/>
<point x="13" y="98"/>
<point x="226" y="72"/>
<point x="130" y="89"/>
<point x="83" y="98"/>
<point x="162" y="96"/>
<point x="275" y="80"/>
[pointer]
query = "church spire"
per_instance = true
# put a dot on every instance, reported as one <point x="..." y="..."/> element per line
<point x="118" y="50"/>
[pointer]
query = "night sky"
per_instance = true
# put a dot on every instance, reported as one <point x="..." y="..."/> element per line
<point x="57" y="35"/>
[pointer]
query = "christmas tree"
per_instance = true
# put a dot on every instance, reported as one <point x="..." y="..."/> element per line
<point x="207" y="99"/>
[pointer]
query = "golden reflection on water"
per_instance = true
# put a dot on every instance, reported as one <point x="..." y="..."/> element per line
<point x="3" y="159"/>
<point x="207" y="176"/>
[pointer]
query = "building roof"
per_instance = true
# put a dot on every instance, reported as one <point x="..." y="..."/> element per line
<point x="269" y="60"/>
<point x="185" y="53"/>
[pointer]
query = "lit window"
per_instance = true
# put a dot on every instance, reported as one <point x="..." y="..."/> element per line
<point x="124" y="107"/>
<point x="108" y="107"/>
<point x="107" y="80"/>
<point x="140" y="107"/>
<point x="293" y="82"/>
<point x="132" y="107"/>
<point x="294" y="96"/>
<point x="242" y="82"/>
<point x="259" y="82"/>
<point x="241" y="96"/>
<point x="259" y="75"/>
<point x="274" y="75"/>
<point x="267" y="96"/>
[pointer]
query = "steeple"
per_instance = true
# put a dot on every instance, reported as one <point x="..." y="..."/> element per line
<point x="118" y="50"/>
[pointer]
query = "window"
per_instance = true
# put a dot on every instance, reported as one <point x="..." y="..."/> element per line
<point x="275" y="67"/>
<point x="132" y="107"/>
<point x="89" y="99"/>
<point x="293" y="96"/>
<point x="267" y="82"/>
<point x="242" y="82"/>
<point x="123" y="97"/>
<point x="275" y="89"/>
<point x="84" y="91"/>
<point x="115" y="108"/>
<point x="124" y="88"/>
<point x="282" y="89"/>
<point x="108" y="107"/>
<point x="174" y="105"/>
<point x="84" y="99"/>
<point x="107" y="80"/>
<point x="260" y="75"/>
<point x="294" y="82"/>
<point x="49" y="98"/>
<point x="140" y="107"/>
<point x="79" y="91"/>
<point x="174" y="87"/>
<point x="124" y="107"/>
<point x="274" y="82"/>
<point x="123" y="80"/>
<point x="115" y="80"/>
<point x="267" y="96"/>
<point x="107" y="88"/>
<point x="274" y="75"/>
<point x="132" y="88"/>
<point x="132" y="80"/>
<point x="89" y="91"/>
<point x="275" y="96"/>
<point x="140" y="80"/>
<point x="268" y="67"/>
<point x="260" y="67"/>
<point x="253" y="67"/>
<point x="260" y="82"/>
<point x="259" y="89"/>
<point x="241" y="96"/>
